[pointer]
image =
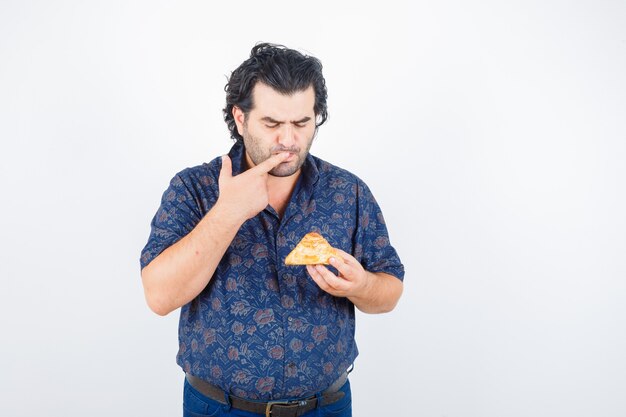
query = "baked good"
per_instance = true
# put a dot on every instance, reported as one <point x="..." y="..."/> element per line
<point x="313" y="249"/>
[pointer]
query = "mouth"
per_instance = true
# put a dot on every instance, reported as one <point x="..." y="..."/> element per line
<point x="291" y="157"/>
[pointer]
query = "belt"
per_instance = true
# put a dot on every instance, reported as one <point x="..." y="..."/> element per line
<point x="292" y="408"/>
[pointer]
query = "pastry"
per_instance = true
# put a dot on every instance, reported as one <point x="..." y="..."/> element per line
<point x="313" y="249"/>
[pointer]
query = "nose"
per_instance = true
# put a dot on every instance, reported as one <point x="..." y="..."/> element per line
<point x="287" y="135"/>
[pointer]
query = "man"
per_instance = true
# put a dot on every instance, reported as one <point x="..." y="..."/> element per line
<point x="258" y="337"/>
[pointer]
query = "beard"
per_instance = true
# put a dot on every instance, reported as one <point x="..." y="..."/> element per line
<point x="259" y="154"/>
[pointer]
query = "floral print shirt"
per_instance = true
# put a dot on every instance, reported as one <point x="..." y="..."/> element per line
<point x="261" y="329"/>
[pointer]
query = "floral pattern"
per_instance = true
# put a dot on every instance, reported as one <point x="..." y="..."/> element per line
<point x="261" y="329"/>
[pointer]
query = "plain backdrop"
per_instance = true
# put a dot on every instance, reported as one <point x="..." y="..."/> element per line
<point x="492" y="134"/>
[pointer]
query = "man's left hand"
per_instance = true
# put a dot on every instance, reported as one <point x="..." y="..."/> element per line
<point x="352" y="280"/>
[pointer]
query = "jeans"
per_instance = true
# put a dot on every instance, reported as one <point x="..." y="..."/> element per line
<point x="197" y="405"/>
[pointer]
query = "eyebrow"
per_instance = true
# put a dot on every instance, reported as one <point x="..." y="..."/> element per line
<point x="274" y="121"/>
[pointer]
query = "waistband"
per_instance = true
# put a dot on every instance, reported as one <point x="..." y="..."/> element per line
<point x="288" y="408"/>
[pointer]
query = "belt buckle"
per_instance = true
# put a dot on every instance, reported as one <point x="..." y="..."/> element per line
<point x="270" y="404"/>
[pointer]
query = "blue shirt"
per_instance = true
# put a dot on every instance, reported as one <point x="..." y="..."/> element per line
<point x="261" y="329"/>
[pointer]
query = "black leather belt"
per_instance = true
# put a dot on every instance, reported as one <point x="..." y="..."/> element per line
<point x="292" y="408"/>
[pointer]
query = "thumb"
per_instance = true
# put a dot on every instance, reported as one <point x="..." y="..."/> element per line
<point x="227" y="167"/>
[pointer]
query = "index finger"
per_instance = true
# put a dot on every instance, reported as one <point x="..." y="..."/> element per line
<point x="270" y="163"/>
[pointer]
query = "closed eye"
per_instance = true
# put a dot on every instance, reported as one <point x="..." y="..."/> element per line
<point x="270" y="123"/>
<point x="302" y="122"/>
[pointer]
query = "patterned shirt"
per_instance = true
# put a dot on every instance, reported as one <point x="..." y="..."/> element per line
<point x="261" y="329"/>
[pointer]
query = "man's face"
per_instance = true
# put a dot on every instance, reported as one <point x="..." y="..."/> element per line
<point x="276" y="124"/>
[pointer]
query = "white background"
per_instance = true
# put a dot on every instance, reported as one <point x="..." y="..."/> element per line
<point x="492" y="134"/>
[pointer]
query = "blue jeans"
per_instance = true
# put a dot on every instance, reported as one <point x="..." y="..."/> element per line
<point x="197" y="405"/>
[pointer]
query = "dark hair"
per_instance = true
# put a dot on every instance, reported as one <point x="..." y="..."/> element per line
<point x="285" y="70"/>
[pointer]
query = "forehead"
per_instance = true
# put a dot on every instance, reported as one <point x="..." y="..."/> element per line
<point x="270" y="103"/>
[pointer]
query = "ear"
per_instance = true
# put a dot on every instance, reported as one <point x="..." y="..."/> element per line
<point x="240" y="118"/>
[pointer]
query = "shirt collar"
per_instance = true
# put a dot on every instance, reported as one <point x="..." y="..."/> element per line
<point x="237" y="156"/>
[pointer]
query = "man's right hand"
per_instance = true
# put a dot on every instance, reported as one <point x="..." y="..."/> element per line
<point x="246" y="194"/>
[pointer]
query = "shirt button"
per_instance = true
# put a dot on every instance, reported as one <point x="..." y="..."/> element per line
<point x="290" y="319"/>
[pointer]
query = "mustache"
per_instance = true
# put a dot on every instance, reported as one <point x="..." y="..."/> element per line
<point x="279" y="149"/>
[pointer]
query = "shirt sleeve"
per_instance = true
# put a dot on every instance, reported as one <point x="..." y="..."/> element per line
<point x="177" y="215"/>
<point x="373" y="248"/>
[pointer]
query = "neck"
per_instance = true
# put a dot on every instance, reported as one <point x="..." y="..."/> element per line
<point x="280" y="190"/>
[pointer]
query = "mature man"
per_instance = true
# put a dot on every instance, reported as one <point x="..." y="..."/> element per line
<point x="258" y="337"/>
